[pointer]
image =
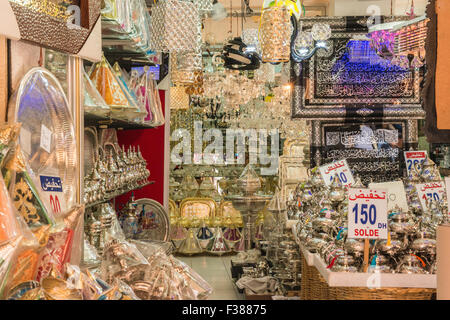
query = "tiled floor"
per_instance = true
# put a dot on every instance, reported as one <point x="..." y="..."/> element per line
<point x="216" y="271"/>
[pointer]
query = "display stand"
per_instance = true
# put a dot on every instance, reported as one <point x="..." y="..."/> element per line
<point x="319" y="283"/>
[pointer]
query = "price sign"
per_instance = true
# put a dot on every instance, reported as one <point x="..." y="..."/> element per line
<point x="52" y="194"/>
<point x="367" y="213"/>
<point x="413" y="158"/>
<point x="430" y="191"/>
<point x="46" y="138"/>
<point x="340" y="168"/>
<point x="396" y="193"/>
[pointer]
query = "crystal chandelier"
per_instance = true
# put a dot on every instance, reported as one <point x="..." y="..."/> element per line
<point x="306" y="43"/>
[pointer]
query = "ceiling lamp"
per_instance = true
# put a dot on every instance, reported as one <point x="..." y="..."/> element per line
<point x="251" y="38"/>
<point x="276" y="31"/>
<point x="237" y="56"/>
<point x="305" y="44"/>
<point x="174" y="26"/>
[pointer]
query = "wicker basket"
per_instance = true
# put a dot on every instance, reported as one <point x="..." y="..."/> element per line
<point x="305" y="283"/>
<point x="319" y="289"/>
<point x="361" y="293"/>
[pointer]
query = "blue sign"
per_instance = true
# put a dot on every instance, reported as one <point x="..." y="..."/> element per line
<point x="52" y="184"/>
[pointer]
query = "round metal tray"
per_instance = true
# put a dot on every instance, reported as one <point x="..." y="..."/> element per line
<point x="159" y="225"/>
<point x="40" y="104"/>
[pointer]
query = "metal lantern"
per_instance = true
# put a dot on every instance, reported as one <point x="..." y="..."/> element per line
<point x="174" y="26"/>
<point x="276" y="30"/>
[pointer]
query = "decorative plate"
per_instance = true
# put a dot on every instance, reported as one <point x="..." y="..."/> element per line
<point x="154" y="220"/>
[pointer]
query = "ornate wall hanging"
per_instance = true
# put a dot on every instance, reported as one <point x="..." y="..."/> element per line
<point x="352" y="94"/>
<point x="351" y="80"/>
<point x="64" y="26"/>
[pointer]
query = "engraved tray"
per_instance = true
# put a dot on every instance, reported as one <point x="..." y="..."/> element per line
<point x="156" y="227"/>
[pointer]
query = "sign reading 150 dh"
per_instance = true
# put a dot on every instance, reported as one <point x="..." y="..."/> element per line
<point x="367" y="214"/>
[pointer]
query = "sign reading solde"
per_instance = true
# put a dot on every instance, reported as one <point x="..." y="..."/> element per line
<point x="340" y="168"/>
<point x="367" y="213"/>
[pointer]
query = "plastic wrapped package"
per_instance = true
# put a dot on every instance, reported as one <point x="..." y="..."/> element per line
<point x="9" y="227"/>
<point x="150" y="248"/>
<point x="126" y="88"/>
<point x="74" y="221"/>
<point x="24" y="192"/>
<point x="147" y="94"/>
<point x="55" y="254"/>
<point x="150" y="272"/>
<point x="119" y="256"/>
<point x="113" y="91"/>
<point x="93" y="101"/>
<point x="200" y="287"/>
<point x="90" y="256"/>
<point x="8" y="253"/>
<point x="76" y="279"/>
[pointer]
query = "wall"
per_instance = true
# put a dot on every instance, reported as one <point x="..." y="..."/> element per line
<point x="152" y="146"/>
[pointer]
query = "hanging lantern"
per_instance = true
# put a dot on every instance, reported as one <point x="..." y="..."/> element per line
<point x="174" y="26"/>
<point x="186" y="65"/>
<point x="276" y="30"/>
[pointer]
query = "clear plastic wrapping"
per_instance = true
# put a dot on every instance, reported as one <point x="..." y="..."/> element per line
<point x="151" y="273"/>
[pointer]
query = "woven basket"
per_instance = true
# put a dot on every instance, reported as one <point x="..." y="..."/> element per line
<point x="305" y="282"/>
<point x="319" y="287"/>
<point x="362" y="293"/>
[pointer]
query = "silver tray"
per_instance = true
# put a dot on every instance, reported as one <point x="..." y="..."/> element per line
<point x="161" y="228"/>
<point x="40" y="101"/>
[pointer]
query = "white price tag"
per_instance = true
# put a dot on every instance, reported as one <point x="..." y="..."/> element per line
<point x="367" y="214"/>
<point x="396" y="193"/>
<point x="46" y="138"/>
<point x="413" y="158"/>
<point x="340" y="168"/>
<point x="25" y="140"/>
<point x="429" y="191"/>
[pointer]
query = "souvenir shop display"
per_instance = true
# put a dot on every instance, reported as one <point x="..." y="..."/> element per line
<point x="288" y="146"/>
<point x="113" y="171"/>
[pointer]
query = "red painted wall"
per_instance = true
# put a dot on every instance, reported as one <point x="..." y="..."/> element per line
<point x="151" y="142"/>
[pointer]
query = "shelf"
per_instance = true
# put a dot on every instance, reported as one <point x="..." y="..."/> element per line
<point x="117" y="195"/>
<point x="92" y="120"/>
<point x="120" y="46"/>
